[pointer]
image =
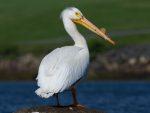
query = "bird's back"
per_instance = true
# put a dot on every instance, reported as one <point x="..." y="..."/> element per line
<point x="62" y="67"/>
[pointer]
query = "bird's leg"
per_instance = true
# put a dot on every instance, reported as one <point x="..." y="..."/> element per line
<point x="57" y="99"/>
<point x="73" y="91"/>
<point x="75" y="102"/>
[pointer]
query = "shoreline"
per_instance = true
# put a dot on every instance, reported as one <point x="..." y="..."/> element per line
<point x="126" y="63"/>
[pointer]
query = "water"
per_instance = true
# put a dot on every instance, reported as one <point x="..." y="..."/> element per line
<point x="112" y="97"/>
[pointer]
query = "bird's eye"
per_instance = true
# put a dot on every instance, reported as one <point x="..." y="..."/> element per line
<point x="77" y="14"/>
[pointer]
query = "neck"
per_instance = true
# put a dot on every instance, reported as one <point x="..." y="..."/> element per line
<point x="73" y="32"/>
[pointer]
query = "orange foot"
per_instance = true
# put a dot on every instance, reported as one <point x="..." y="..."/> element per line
<point x="78" y="106"/>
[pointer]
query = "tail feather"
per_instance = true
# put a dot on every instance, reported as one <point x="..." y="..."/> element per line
<point x="43" y="93"/>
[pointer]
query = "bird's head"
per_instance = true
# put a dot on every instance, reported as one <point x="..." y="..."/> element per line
<point x="77" y="17"/>
<point x="72" y="13"/>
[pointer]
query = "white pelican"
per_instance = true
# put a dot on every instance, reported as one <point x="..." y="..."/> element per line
<point x="64" y="67"/>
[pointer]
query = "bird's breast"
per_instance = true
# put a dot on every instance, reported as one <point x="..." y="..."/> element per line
<point x="83" y="60"/>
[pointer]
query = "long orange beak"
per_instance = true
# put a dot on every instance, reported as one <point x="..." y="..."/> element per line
<point x="86" y="23"/>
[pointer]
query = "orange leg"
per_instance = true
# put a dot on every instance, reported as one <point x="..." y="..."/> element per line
<point x="74" y="97"/>
<point x="75" y="102"/>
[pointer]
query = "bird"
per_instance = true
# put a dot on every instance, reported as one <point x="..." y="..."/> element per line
<point x="64" y="67"/>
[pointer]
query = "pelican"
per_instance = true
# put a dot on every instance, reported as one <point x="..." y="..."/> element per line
<point x="64" y="67"/>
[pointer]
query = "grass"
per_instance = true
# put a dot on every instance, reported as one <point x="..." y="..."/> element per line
<point x="34" y="26"/>
<point x="25" y="21"/>
<point x="96" y="45"/>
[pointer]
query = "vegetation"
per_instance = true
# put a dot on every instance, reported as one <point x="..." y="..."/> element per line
<point x="35" y="26"/>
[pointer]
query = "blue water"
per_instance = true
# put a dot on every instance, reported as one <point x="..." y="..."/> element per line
<point x="112" y="97"/>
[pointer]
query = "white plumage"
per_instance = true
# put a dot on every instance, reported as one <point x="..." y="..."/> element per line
<point x="64" y="66"/>
<point x="60" y="69"/>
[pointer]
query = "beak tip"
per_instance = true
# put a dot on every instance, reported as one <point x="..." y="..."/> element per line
<point x="111" y="41"/>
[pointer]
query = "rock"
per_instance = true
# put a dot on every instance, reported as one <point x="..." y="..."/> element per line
<point x="112" y="66"/>
<point x="148" y="68"/>
<point x="143" y="60"/>
<point x="127" y="60"/>
<point x="48" y="109"/>
<point x="132" y="61"/>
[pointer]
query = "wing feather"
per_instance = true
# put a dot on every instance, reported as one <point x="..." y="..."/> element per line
<point x="62" y="67"/>
<point x="55" y="60"/>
